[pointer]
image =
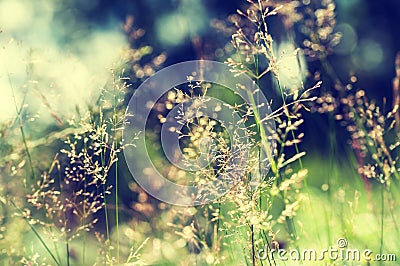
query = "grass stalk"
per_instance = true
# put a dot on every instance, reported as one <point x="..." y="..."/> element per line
<point x="64" y="214"/>
<point x="115" y="98"/>
<point x="103" y="164"/>
<point x="253" y="246"/>
<point x="382" y="217"/>
<point x="84" y="211"/>
<point x="107" y="222"/>
<point x="36" y="233"/>
<point x="21" y="128"/>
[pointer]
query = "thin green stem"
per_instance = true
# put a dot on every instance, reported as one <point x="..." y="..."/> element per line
<point x="107" y="224"/>
<point x="36" y="234"/>
<point x="264" y="235"/>
<point x="253" y="247"/>
<point x="21" y="127"/>
<point x="84" y="211"/>
<point x="289" y="221"/>
<point x="103" y="164"/>
<point x="382" y="215"/>
<point x="56" y="249"/>
<point x="64" y="214"/>
<point x="67" y="250"/>
<point x="116" y="165"/>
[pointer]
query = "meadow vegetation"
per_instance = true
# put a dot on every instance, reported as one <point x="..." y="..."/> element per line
<point x="63" y="192"/>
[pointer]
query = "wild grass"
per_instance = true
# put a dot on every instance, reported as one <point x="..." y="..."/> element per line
<point x="66" y="208"/>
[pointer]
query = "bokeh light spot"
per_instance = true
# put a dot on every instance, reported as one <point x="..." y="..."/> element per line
<point x="348" y="41"/>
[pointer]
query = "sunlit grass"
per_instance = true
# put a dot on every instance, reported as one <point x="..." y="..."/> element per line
<point x="68" y="198"/>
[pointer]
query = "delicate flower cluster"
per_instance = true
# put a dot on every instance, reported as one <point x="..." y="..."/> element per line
<point x="318" y="26"/>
